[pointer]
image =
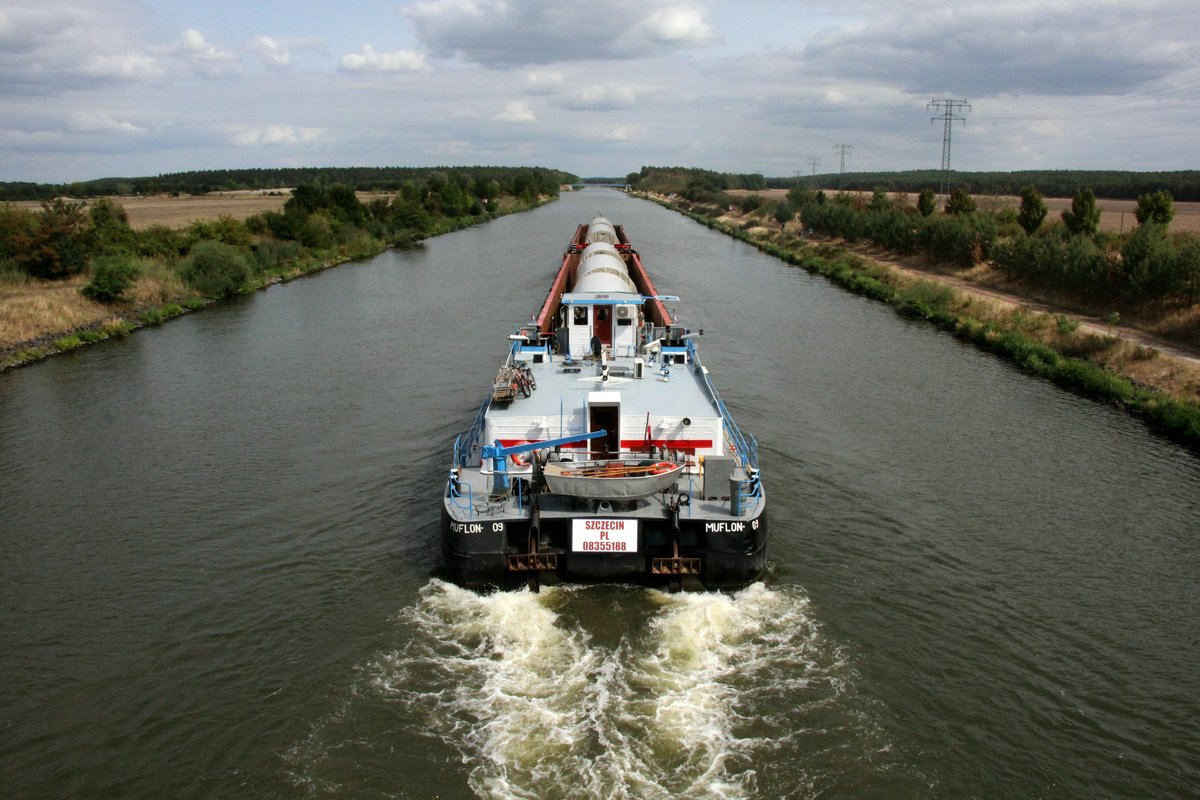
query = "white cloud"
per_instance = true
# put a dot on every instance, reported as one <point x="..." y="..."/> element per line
<point x="250" y="136"/>
<point x="50" y="46"/>
<point x="131" y="66"/>
<point x="605" y="97"/>
<point x="511" y="32"/>
<point x="102" y="121"/>
<point x="275" y="54"/>
<point x="544" y="82"/>
<point x="1069" y="48"/>
<point x="517" y="112"/>
<point x="369" y="60"/>
<point x="625" y="133"/>
<point x="681" y="25"/>
<point x="206" y="59"/>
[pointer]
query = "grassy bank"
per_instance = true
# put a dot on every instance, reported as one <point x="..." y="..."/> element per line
<point x="1165" y="392"/>
<point x="42" y="317"/>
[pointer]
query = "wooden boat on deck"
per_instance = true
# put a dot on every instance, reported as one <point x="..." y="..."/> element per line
<point x="617" y="479"/>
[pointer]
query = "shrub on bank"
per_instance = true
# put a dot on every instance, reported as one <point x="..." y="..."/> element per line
<point x="111" y="277"/>
<point x="215" y="269"/>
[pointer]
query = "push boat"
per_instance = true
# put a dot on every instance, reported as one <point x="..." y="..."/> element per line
<point x="602" y="451"/>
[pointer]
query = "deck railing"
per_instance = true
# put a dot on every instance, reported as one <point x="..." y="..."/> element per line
<point x="745" y="444"/>
<point x="749" y="494"/>
<point x="466" y="444"/>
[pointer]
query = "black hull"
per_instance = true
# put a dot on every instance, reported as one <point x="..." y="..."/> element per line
<point x="732" y="554"/>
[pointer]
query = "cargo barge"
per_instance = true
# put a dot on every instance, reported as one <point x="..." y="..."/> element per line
<point x="602" y="452"/>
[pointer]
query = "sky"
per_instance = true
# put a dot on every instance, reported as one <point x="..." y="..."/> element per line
<point x="599" y="88"/>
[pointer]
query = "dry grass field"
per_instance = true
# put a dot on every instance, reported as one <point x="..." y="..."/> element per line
<point x="179" y="212"/>
<point x="1115" y="215"/>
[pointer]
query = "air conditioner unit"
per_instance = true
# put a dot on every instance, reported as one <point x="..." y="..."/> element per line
<point x="624" y="312"/>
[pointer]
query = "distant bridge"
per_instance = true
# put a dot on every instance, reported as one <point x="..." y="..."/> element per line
<point x="578" y="186"/>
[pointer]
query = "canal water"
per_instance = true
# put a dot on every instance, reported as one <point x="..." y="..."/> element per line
<point x="218" y="560"/>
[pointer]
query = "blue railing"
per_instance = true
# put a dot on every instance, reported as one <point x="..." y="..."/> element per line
<point x="466" y="443"/>
<point x="747" y="448"/>
<point x="748" y="489"/>
<point x="455" y="494"/>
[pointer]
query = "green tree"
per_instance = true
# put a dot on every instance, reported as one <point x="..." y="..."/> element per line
<point x="316" y="232"/>
<point x="799" y="196"/>
<point x="926" y="202"/>
<point x="112" y="276"/>
<point x="879" y="200"/>
<point x="1084" y="216"/>
<point x="223" y="229"/>
<point x="960" y="202"/>
<point x="346" y="205"/>
<point x="785" y="212"/>
<point x="1157" y="207"/>
<point x="1149" y="259"/>
<point x="106" y="211"/>
<point x="57" y="246"/>
<point x="215" y="269"/>
<point x="308" y="197"/>
<point x="16" y="228"/>
<point x="1033" y="210"/>
<point x="751" y="202"/>
<point x="1187" y="269"/>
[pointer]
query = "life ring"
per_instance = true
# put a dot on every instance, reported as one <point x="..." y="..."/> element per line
<point x="661" y="468"/>
<point x="516" y="460"/>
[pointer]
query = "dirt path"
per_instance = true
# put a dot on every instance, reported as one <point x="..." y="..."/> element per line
<point x="1088" y="324"/>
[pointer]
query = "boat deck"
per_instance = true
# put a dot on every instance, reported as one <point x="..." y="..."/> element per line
<point x="662" y="484"/>
<point x="562" y="388"/>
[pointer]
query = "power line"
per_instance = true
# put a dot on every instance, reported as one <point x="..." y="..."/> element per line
<point x="813" y="161"/>
<point x="947" y="107"/>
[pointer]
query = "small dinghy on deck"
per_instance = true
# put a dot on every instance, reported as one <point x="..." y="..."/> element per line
<point x="612" y="479"/>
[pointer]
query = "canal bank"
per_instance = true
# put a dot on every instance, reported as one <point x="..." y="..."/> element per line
<point x="1152" y="383"/>
<point x="99" y="322"/>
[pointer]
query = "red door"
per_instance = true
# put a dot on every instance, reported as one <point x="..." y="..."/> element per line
<point x="602" y="324"/>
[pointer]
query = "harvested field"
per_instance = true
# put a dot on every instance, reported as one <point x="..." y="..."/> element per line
<point x="181" y="211"/>
<point x="1115" y="215"/>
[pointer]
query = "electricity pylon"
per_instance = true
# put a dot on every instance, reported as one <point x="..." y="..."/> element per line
<point x="947" y="107"/>
<point x="842" y="150"/>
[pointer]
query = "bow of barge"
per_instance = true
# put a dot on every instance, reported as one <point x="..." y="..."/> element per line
<point x="602" y="451"/>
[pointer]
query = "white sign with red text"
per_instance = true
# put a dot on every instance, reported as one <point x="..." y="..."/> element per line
<point x="604" y="535"/>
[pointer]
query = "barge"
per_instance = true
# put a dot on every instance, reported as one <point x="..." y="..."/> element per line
<point x="602" y="451"/>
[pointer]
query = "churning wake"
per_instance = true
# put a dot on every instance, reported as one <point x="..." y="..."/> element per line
<point x="662" y="696"/>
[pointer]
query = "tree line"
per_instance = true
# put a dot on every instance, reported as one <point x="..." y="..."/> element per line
<point x="511" y="180"/>
<point x="1110" y="184"/>
<point x="1071" y="254"/>
<point x="1183" y="185"/>
<point x="1148" y="265"/>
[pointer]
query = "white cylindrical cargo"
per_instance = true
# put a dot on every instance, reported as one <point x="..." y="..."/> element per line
<point x="601" y="230"/>
<point x="601" y="269"/>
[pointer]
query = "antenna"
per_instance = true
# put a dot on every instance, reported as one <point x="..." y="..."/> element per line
<point x="947" y="107"/>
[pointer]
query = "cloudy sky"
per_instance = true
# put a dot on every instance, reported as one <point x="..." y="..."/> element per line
<point x="100" y="88"/>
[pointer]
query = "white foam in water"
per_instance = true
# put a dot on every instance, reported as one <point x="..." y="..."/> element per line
<point x="538" y="710"/>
